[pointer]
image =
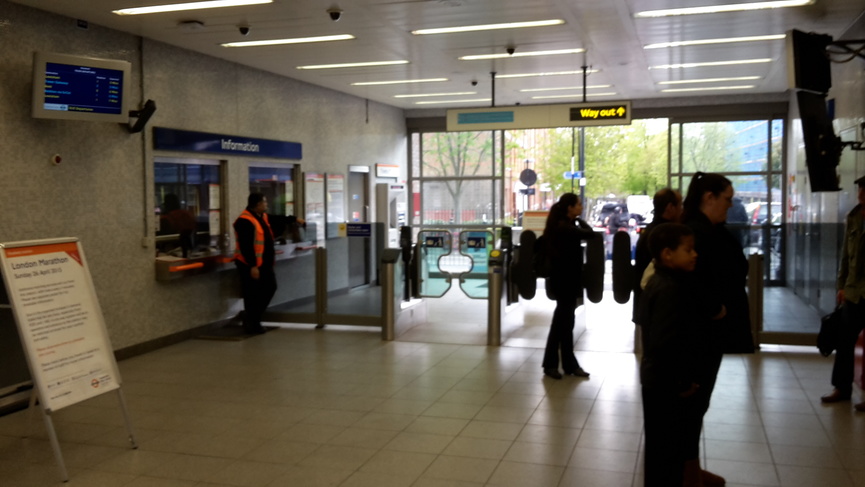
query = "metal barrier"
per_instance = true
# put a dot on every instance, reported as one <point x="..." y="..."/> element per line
<point x="390" y="305"/>
<point x="755" y="296"/>
<point x="494" y="299"/>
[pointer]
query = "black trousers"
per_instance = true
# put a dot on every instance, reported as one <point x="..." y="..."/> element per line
<point x="707" y="376"/>
<point x="853" y="322"/>
<point x="561" y="336"/>
<point x="665" y="423"/>
<point x="257" y="294"/>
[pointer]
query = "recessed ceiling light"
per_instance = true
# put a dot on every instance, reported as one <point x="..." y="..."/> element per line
<point x="529" y="90"/>
<point x="546" y="97"/>
<point x="473" y="28"/>
<point x="422" y="95"/>
<point x="713" y="9"/>
<point x="726" y="40"/>
<point x="476" y="57"/>
<point x="353" y="65"/>
<point x="553" y="73"/>
<point x="177" y="7"/>
<point x="711" y="63"/>
<point x="708" y="80"/>
<point x="296" y="40"/>
<point x="715" y="88"/>
<point x="437" y="102"/>
<point x="398" y="82"/>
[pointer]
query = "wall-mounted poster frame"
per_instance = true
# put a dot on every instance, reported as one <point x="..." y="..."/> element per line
<point x="335" y="213"/>
<point x="314" y="192"/>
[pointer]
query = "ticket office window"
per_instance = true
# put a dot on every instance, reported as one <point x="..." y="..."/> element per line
<point x="278" y="183"/>
<point x="188" y="206"/>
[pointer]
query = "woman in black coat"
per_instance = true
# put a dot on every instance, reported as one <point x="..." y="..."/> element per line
<point x="721" y="273"/>
<point x="563" y="235"/>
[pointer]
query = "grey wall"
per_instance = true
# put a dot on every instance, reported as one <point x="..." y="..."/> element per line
<point x="815" y="220"/>
<point x="103" y="191"/>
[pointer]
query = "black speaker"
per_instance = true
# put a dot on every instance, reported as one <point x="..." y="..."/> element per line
<point x="142" y="116"/>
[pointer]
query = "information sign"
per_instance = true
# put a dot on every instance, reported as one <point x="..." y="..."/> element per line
<point x="59" y="321"/>
<point x="539" y="116"/>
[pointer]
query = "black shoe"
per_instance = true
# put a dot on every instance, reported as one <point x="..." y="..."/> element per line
<point x="578" y="373"/>
<point x="254" y="330"/>
<point x="836" y="396"/>
<point x="553" y="373"/>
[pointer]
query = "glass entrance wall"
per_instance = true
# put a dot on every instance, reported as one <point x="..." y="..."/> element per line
<point x="749" y="153"/>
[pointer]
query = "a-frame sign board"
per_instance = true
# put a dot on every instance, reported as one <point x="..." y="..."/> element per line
<point x="61" y="327"/>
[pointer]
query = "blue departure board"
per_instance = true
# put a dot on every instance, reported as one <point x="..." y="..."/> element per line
<point x="83" y="89"/>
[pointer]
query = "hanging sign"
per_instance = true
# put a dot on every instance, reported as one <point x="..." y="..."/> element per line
<point x="539" y="116"/>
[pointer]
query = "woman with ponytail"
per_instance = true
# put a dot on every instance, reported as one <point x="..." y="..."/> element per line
<point x="563" y="235"/>
<point x="721" y="274"/>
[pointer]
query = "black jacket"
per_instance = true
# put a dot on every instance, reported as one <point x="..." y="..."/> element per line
<point x="566" y="254"/>
<point x="722" y="273"/>
<point x="673" y="331"/>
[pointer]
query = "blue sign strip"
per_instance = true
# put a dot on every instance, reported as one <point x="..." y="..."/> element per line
<point x="187" y="141"/>
<point x="358" y="230"/>
<point x="485" y="117"/>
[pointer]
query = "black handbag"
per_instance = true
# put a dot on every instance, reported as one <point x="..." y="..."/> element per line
<point x="827" y="339"/>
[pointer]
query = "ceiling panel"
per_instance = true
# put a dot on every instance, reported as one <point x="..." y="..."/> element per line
<point x="614" y="40"/>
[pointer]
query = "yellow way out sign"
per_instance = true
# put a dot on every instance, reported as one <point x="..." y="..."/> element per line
<point x="539" y="116"/>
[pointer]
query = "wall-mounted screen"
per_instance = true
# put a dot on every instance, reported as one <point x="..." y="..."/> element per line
<point x="80" y="88"/>
<point x="822" y="146"/>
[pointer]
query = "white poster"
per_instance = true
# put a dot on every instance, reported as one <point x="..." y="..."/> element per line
<point x="59" y="320"/>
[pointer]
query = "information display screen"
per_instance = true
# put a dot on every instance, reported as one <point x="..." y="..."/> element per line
<point x="83" y="89"/>
<point x="80" y="88"/>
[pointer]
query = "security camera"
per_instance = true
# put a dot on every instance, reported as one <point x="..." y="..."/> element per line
<point x="243" y="29"/>
<point x="335" y="13"/>
<point x="474" y="82"/>
<point x="510" y="50"/>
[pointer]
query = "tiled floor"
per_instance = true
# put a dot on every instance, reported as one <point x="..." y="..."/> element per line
<point x="339" y="407"/>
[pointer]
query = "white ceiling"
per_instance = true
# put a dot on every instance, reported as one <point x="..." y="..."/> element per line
<point x="607" y="29"/>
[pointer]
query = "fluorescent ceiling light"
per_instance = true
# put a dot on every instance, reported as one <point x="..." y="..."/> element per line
<point x="296" y="40"/>
<point x="398" y="82"/>
<point x="422" y="95"/>
<point x="177" y="7"/>
<point x="680" y="90"/>
<point x="473" y="28"/>
<point x="708" y="80"/>
<point x="714" y="9"/>
<point x="353" y="65"/>
<point x="546" y="97"/>
<point x="529" y="90"/>
<point x="438" y="102"/>
<point x="553" y="73"/>
<point x="726" y="40"/>
<point x="476" y="57"/>
<point x="712" y="63"/>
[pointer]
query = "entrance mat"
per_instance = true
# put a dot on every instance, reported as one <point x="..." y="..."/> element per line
<point x="231" y="333"/>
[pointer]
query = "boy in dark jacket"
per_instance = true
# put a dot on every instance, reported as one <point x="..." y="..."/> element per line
<point x="670" y="315"/>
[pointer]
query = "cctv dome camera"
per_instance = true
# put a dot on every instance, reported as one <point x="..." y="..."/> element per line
<point x="243" y="29"/>
<point x="335" y="13"/>
<point x="511" y="50"/>
<point x="474" y="82"/>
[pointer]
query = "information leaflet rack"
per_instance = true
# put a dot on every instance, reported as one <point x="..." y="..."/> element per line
<point x="61" y="327"/>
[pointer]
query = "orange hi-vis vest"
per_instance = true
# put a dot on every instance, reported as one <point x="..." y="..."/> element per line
<point x="258" y="243"/>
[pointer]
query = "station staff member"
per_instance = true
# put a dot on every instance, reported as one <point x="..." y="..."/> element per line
<point x="254" y="257"/>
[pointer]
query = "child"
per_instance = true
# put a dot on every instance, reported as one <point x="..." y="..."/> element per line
<point x="670" y="317"/>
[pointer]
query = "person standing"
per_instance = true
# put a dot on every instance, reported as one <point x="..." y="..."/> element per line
<point x="254" y="257"/>
<point x="670" y="317"/>
<point x="667" y="204"/>
<point x="563" y="235"/>
<point x="851" y="290"/>
<point x="721" y="273"/>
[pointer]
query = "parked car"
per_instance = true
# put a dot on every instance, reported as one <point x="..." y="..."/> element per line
<point x="759" y="216"/>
